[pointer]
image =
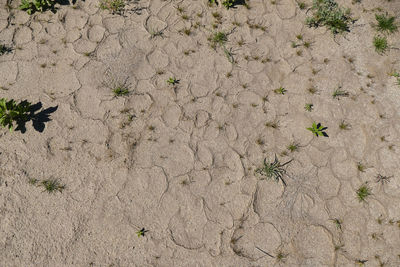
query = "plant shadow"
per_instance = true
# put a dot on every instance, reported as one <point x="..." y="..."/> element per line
<point x="38" y="119"/>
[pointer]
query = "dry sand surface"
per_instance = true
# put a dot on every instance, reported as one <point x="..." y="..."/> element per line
<point x="179" y="160"/>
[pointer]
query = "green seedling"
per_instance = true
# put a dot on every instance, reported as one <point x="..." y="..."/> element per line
<point x="344" y="125"/>
<point x="293" y="147"/>
<point x="318" y="130"/>
<point x="361" y="167"/>
<point x="273" y="170"/>
<point x="302" y="5"/>
<point x="228" y="3"/>
<point x="363" y="192"/>
<point x="141" y="232"/>
<point x="328" y="13"/>
<point x="338" y="223"/>
<point x="36" y="5"/>
<point x="172" y="81"/>
<point x="280" y="91"/>
<point x="52" y="186"/>
<point x="120" y="90"/>
<point x="309" y="107"/>
<point x="11" y="112"/>
<point x="385" y="24"/>
<point x="115" y="6"/>
<point x="219" y="38"/>
<point x="281" y="257"/>
<point x="380" y="43"/>
<point x="339" y="93"/>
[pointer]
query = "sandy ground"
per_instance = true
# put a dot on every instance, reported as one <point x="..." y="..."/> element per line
<point x="180" y="160"/>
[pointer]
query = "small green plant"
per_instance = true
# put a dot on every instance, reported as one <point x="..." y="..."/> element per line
<point x="318" y="129"/>
<point x="380" y="43"/>
<point x="228" y="3"/>
<point x="385" y="24"/>
<point x="339" y="93"/>
<point x="344" y="125"/>
<point x="52" y="185"/>
<point x="281" y="257"/>
<point x="36" y="5"/>
<point x="120" y="90"/>
<point x="338" y="223"/>
<point x="280" y="91"/>
<point x="309" y="107"/>
<point x="328" y="13"/>
<point x="363" y="192"/>
<point x="115" y="6"/>
<point x="11" y="112"/>
<point x="293" y="147"/>
<point x="219" y="38"/>
<point x="273" y="170"/>
<point x="141" y="232"/>
<point x="172" y="81"/>
<point x="361" y="167"/>
<point x="302" y="5"/>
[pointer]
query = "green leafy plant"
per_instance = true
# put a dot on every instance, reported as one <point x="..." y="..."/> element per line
<point x="309" y="107"/>
<point x="293" y="147"/>
<point x="141" y="232"/>
<point x="219" y="38"/>
<point x="52" y="185"/>
<point x="11" y="112"/>
<point x="363" y="192"/>
<point x="339" y="93"/>
<point x="172" y="81"/>
<point x="338" y="223"/>
<point x="328" y="13"/>
<point x="120" y="90"/>
<point x="380" y="43"/>
<point x="115" y="6"/>
<point x="228" y="3"/>
<point x="280" y="91"/>
<point x="385" y="23"/>
<point x="318" y="129"/>
<point x="36" y="5"/>
<point x="273" y="170"/>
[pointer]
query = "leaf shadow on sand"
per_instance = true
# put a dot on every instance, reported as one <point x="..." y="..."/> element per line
<point x="38" y="118"/>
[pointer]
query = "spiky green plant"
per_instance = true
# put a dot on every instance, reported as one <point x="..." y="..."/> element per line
<point x="380" y="43"/>
<point x="120" y="90"/>
<point x="363" y="192"/>
<point x="11" y="112"/>
<point x="52" y="185"/>
<point x="273" y="170"/>
<point x="328" y="13"/>
<point x="386" y="24"/>
<point x="280" y="91"/>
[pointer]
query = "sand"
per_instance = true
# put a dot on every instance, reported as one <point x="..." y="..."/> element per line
<point x="179" y="160"/>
